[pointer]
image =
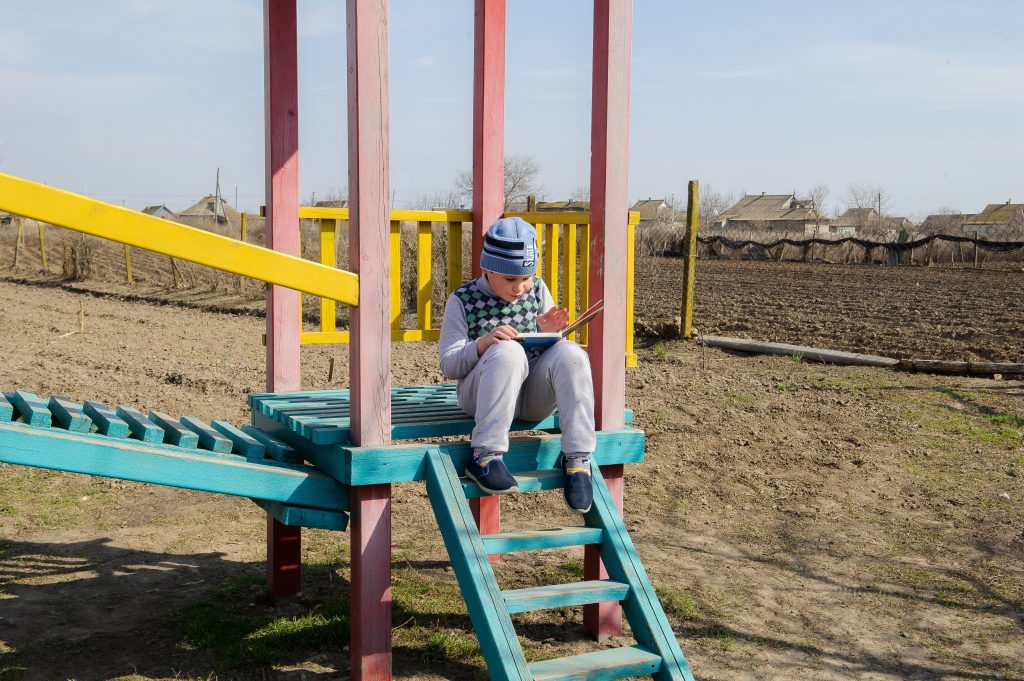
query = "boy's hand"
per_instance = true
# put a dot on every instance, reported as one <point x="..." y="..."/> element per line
<point x="502" y="333"/>
<point x="555" y="319"/>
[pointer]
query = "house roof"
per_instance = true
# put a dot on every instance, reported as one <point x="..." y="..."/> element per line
<point x="997" y="214"/>
<point x="757" y="207"/>
<point x="205" y="207"/>
<point x="938" y="221"/>
<point x="649" y="209"/>
<point x="560" y="206"/>
<point x="856" y="217"/>
<point x="331" y="204"/>
<point x="153" y="210"/>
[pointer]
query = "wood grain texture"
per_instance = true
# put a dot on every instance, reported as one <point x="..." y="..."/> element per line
<point x="601" y="665"/>
<point x="533" y="540"/>
<point x="371" y="582"/>
<point x="488" y="120"/>
<point x="94" y="454"/>
<point x="609" y="202"/>
<point x="563" y="595"/>
<point x="495" y="633"/>
<point x="604" y="619"/>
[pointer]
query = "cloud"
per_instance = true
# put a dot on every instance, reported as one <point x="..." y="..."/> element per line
<point x="425" y="62"/>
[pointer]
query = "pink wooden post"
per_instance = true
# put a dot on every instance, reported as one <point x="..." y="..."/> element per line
<point x="281" y="97"/>
<point x="609" y="202"/>
<point x="488" y="166"/>
<point x="369" y="363"/>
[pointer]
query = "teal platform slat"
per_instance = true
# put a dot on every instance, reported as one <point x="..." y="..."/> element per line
<point x="533" y="540"/>
<point x="418" y="411"/>
<point x="69" y="415"/>
<point x="31" y="409"/>
<point x="601" y="665"/>
<point x="141" y="427"/>
<point x="244" y="444"/>
<point x="174" y="431"/>
<point x="208" y="437"/>
<point x="6" y="409"/>
<point x="107" y="422"/>
<point x="564" y="595"/>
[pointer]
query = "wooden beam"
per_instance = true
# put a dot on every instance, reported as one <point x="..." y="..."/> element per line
<point x="370" y="326"/>
<point x="488" y="166"/>
<point x="609" y="202"/>
<point x="281" y="109"/>
<point x="488" y="120"/>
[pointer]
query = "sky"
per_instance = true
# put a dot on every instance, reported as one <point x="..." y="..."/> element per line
<point x="141" y="101"/>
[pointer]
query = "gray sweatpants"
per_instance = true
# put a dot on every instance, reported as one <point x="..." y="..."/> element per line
<point x="505" y="385"/>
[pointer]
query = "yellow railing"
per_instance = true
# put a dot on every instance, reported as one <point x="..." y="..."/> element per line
<point x="563" y="240"/>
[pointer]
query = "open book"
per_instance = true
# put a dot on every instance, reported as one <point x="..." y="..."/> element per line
<point x="539" y="340"/>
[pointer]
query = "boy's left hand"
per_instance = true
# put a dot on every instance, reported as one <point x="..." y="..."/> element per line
<point x="555" y="319"/>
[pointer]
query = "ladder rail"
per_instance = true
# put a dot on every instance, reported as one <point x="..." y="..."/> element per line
<point x="484" y="601"/>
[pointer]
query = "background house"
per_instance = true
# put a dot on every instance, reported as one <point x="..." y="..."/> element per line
<point x="777" y="214"/>
<point x="998" y="221"/>
<point x="160" y="211"/>
<point x="944" y="223"/>
<point x="563" y="206"/>
<point x="866" y="222"/>
<point x="210" y="209"/>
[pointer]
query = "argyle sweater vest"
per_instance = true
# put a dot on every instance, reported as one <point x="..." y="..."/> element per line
<point x="485" y="312"/>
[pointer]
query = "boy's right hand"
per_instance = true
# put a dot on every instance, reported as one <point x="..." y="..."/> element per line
<point x="502" y="333"/>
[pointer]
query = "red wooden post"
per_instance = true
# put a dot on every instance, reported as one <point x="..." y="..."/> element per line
<point x="488" y="167"/>
<point x="281" y="97"/>
<point x="369" y="359"/>
<point x="609" y="203"/>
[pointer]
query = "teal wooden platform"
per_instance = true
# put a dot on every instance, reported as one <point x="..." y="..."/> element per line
<point x="296" y="462"/>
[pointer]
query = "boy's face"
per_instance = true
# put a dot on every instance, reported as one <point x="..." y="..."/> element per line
<point x="509" y="287"/>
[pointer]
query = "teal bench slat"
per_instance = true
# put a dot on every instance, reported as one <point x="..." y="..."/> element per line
<point x="208" y="437"/>
<point x="107" y="422"/>
<point x="564" y="595"/>
<point x="6" y="409"/>
<point x="297" y="516"/>
<point x="533" y="540"/>
<point x="276" y="449"/>
<point x="528" y="481"/>
<point x="161" y="464"/>
<point x="600" y="665"/>
<point x="244" y="444"/>
<point x="174" y="433"/>
<point x="31" y="409"/>
<point x="141" y="427"/>
<point x="69" y="414"/>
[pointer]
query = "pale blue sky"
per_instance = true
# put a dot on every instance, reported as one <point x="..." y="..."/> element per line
<point x="141" y="100"/>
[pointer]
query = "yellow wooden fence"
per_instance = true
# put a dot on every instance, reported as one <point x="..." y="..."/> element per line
<point x="563" y="240"/>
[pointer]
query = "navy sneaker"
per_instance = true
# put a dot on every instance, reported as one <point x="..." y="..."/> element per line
<point x="578" y="486"/>
<point x="489" y="473"/>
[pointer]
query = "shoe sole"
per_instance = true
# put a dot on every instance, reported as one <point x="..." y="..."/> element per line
<point x="492" y="492"/>
<point x="576" y="510"/>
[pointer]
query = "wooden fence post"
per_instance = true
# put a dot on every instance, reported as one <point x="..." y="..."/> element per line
<point x="179" y="282"/>
<point x="975" y="249"/>
<point x="128" y="265"/>
<point x="42" y="248"/>
<point x="689" y="261"/>
<point x="18" y="243"/>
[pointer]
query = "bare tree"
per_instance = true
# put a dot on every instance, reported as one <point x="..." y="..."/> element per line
<point x="818" y="195"/>
<point x="450" y="198"/>
<point x="711" y="205"/>
<point x="522" y="178"/>
<point x="864" y="195"/>
<point x="581" y="193"/>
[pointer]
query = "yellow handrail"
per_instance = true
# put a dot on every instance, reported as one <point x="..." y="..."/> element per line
<point x="82" y="214"/>
<point x="571" y="228"/>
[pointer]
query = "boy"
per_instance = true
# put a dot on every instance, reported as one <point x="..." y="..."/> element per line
<point x="499" y="381"/>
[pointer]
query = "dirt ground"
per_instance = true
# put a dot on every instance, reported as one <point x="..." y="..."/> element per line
<point x="903" y="312"/>
<point x="799" y="521"/>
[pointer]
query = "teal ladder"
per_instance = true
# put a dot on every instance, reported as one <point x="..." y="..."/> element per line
<point x="656" y="653"/>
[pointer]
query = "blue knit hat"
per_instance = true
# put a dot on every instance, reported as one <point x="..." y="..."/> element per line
<point x="510" y="247"/>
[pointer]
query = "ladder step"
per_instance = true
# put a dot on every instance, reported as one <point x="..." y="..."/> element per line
<point x="602" y="665"/>
<point x="564" y="595"/>
<point x="531" y="540"/>
<point x="529" y="481"/>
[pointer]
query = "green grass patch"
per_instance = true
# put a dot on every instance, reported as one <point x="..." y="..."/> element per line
<point x="679" y="604"/>
<point x="12" y="663"/>
<point x="239" y="634"/>
<point x="739" y="398"/>
<point x="720" y="636"/>
<point x="450" y="646"/>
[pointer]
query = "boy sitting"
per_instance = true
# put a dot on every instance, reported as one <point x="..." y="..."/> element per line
<point x="499" y="381"/>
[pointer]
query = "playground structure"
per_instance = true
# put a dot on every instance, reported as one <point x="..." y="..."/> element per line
<point x="347" y="436"/>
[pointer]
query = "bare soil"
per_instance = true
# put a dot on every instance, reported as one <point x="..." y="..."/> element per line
<point x="800" y="521"/>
